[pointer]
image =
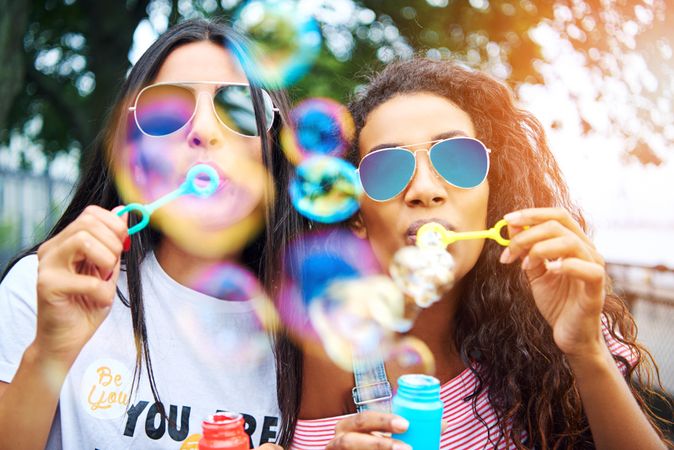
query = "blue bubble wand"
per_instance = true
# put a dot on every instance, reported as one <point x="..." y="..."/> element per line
<point x="188" y="187"/>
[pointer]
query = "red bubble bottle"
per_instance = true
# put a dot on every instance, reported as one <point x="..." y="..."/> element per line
<point x="224" y="431"/>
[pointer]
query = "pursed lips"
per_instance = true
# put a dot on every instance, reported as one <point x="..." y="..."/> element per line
<point x="411" y="233"/>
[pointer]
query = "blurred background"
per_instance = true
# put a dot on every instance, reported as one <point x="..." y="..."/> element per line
<point x="599" y="74"/>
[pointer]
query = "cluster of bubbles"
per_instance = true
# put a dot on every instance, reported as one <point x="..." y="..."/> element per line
<point x="325" y="187"/>
<point x="335" y="299"/>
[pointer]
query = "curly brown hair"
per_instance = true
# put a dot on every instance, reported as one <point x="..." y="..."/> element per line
<point x="498" y="326"/>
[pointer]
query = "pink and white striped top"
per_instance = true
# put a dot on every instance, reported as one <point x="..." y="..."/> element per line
<point x="464" y="432"/>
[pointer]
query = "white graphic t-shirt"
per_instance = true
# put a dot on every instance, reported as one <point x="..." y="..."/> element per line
<point x="207" y="355"/>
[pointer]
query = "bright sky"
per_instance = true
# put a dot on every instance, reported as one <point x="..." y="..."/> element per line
<point x="630" y="206"/>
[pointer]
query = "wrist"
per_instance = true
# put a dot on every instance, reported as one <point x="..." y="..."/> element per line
<point x="596" y="359"/>
<point x="38" y="356"/>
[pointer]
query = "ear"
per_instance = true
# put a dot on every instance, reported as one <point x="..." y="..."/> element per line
<point x="357" y="226"/>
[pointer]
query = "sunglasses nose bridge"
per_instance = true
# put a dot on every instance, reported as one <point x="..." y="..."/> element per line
<point x="206" y="126"/>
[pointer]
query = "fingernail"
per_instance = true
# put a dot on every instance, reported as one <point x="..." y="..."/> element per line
<point x="553" y="266"/>
<point x="401" y="446"/>
<point x="108" y="277"/>
<point x="399" y="424"/>
<point x="513" y="217"/>
<point x="526" y="263"/>
<point x="127" y="243"/>
<point x="505" y="256"/>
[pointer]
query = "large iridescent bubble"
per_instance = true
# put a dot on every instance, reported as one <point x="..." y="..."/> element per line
<point x="147" y="168"/>
<point x="285" y="39"/>
<point x="325" y="189"/>
<point x="317" y="126"/>
<point x="238" y="291"/>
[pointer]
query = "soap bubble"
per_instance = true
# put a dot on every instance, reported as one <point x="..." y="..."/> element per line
<point x="317" y="126"/>
<point x="412" y="354"/>
<point x="226" y="280"/>
<point x="286" y="40"/>
<point x="147" y="168"/>
<point x="325" y="189"/>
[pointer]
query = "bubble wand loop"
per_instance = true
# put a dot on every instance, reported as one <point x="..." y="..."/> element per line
<point x="188" y="187"/>
<point x="432" y="233"/>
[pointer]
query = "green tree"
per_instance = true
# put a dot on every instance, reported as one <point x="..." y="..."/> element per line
<point x="63" y="60"/>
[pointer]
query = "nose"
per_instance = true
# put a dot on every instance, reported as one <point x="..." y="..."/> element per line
<point x="206" y="131"/>
<point x="426" y="188"/>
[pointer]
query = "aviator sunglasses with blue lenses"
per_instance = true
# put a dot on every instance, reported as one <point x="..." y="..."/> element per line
<point x="462" y="162"/>
<point x="164" y="108"/>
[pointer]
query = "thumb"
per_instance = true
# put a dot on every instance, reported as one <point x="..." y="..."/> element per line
<point x="270" y="447"/>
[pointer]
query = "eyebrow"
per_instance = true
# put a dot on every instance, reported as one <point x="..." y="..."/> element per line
<point x="436" y="138"/>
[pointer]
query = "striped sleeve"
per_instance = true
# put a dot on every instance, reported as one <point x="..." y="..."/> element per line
<point x="315" y="434"/>
<point x="618" y="348"/>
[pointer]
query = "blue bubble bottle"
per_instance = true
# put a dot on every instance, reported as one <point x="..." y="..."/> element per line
<point x="418" y="401"/>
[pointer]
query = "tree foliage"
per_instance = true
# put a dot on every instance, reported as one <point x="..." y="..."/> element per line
<point x="63" y="60"/>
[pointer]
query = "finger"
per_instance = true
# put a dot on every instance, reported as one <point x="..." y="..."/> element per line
<point x="84" y="246"/>
<point x="591" y="273"/>
<point x="115" y="223"/>
<point x="270" y="447"/>
<point x="100" y="231"/>
<point x="86" y="220"/>
<point x="522" y="240"/>
<point x="559" y="247"/>
<point x="534" y="216"/>
<point x="361" y="441"/>
<point x="64" y="284"/>
<point x="369" y="421"/>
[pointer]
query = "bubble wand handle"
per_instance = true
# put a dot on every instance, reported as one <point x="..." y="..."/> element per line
<point x="446" y="237"/>
<point x="188" y="187"/>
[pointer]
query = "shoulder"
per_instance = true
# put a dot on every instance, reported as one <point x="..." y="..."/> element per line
<point x="21" y="279"/>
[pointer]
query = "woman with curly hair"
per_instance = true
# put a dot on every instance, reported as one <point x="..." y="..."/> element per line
<point x="531" y="347"/>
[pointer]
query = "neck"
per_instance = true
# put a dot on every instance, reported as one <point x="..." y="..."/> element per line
<point x="180" y="265"/>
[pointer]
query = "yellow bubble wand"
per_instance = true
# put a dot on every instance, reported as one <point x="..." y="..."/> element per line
<point x="433" y="234"/>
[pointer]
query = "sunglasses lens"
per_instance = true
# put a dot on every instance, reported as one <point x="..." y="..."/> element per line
<point x="164" y="109"/>
<point x="234" y="107"/>
<point x="463" y="162"/>
<point x="384" y="174"/>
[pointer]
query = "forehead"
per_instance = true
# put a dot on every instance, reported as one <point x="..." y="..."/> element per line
<point x="411" y="118"/>
<point x="200" y="61"/>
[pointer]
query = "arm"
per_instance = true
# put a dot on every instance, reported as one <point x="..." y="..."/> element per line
<point x="76" y="282"/>
<point x="567" y="279"/>
<point x="28" y="403"/>
<point x="615" y="418"/>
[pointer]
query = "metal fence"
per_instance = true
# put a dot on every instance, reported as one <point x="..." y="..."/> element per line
<point x="649" y="292"/>
<point x="29" y="207"/>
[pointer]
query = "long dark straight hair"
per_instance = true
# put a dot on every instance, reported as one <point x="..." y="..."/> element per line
<point x="96" y="187"/>
<point x="497" y="325"/>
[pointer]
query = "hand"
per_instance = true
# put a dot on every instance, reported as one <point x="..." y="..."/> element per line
<point x="270" y="447"/>
<point x="76" y="283"/>
<point x="356" y="432"/>
<point x="566" y="274"/>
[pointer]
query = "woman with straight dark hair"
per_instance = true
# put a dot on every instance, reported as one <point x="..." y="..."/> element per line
<point x="90" y="336"/>
<point x="531" y="347"/>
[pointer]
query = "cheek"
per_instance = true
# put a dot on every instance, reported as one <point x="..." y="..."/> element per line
<point x="253" y="147"/>
<point x="380" y="222"/>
